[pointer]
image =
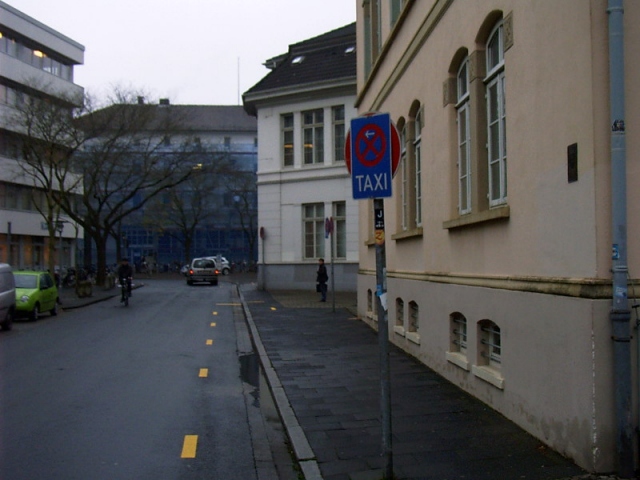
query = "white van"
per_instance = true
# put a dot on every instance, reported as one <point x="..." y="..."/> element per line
<point x="7" y="297"/>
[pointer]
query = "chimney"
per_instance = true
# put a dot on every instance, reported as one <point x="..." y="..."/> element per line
<point x="140" y="100"/>
<point x="164" y="101"/>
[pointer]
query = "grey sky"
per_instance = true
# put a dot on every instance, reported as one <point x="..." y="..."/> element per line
<point x="191" y="51"/>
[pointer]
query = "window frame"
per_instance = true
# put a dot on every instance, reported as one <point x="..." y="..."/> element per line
<point x="288" y="139"/>
<point x="417" y="148"/>
<point x="339" y="133"/>
<point x="339" y="210"/>
<point x="313" y="153"/>
<point x="463" y="121"/>
<point x="496" y="117"/>
<point x="313" y="240"/>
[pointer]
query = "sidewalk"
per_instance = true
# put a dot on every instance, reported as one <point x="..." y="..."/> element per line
<point x="322" y="368"/>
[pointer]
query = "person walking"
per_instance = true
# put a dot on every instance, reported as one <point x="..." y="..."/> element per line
<point x="321" y="280"/>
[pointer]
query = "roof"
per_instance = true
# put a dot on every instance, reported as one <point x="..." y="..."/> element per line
<point x="194" y="118"/>
<point x="330" y="56"/>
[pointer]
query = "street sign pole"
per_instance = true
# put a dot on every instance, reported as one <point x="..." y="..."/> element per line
<point x="372" y="157"/>
<point x="383" y="336"/>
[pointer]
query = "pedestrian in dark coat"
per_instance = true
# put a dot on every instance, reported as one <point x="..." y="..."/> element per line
<point x="321" y="280"/>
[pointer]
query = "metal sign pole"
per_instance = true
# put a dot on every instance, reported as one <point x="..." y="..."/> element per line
<point x="383" y="335"/>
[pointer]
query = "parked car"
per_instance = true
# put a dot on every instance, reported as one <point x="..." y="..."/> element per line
<point x="35" y="292"/>
<point x="7" y="297"/>
<point x="202" y="270"/>
<point x="224" y="267"/>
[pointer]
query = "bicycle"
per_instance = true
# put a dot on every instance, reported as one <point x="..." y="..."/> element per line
<point x="125" y="288"/>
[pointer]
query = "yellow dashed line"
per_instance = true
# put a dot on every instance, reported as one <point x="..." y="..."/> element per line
<point x="229" y="304"/>
<point x="214" y="313"/>
<point x="204" y="372"/>
<point x="209" y="342"/>
<point x="273" y="308"/>
<point x="189" y="446"/>
<point x="213" y="324"/>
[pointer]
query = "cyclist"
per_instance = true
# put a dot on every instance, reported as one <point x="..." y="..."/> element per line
<point x="125" y="272"/>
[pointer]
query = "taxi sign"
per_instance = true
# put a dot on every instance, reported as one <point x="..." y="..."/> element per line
<point x="372" y="156"/>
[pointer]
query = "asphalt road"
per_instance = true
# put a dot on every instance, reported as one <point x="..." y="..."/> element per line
<point x="157" y="390"/>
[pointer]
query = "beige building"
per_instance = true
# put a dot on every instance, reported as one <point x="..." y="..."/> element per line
<point x="500" y="278"/>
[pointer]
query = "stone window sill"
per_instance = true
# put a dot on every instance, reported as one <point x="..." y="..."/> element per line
<point x="489" y="375"/>
<point x="458" y="359"/>
<point x="496" y="213"/>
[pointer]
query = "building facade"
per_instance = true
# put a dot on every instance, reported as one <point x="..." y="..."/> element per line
<point x="499" y="232"/>
<point x="305" y="207"/>
<point x="219" y="134"/>
<point x="32" y="56"/>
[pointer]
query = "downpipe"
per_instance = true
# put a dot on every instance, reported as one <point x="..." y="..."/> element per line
<point x="620" y="314"/>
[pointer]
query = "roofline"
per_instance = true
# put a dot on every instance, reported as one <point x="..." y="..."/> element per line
<point x="249" y="100"/>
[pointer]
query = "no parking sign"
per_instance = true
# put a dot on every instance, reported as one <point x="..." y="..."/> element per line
<point x="373" y="155"/>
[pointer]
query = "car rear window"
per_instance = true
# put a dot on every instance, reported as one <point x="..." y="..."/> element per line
<point x="203" y="264"/>
<point x="26" y="281"/>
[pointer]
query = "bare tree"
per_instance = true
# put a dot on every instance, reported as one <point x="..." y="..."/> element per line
<point x="180" y="210"/>
<point x="242" y="188"/>
<point x="129" y="160"/>
<point x="49" y="138"/>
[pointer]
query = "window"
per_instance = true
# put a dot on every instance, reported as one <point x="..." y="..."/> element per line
<point x="313" y="136"/>
<point x="490" y="348"/>
<point x="404" y="179"/>
<point x="414" y="316"/>
<point x="287" y="140"/>
<point x="457" y="353"/>
<point x="496" y="118"/>
<point x="372" y="34"/>
<point x="413" y="326"/>
<point x="417" y="146"/>
<point x="458" y="333"/>
<point x="396" y="9"/>
<point x="399" y="326"/>
<point x="338" y="133"/>
<point x="313" y="220"/>
<point x="409" y="202"/>
<point x="340" y="229"/>
<point x="464" y="141"/>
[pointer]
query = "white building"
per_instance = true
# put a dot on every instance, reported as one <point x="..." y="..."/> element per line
<point x="304" y="107"/>
<point x="31" y="54"/>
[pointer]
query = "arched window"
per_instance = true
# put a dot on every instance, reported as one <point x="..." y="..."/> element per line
<point x="464" y="138"/>
<point x="496" y="117"/>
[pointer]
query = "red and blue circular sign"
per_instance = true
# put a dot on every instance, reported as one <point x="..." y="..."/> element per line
<point x="371" y="145"/>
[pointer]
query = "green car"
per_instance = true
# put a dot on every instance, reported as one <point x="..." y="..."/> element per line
<point x="35" y="292"/>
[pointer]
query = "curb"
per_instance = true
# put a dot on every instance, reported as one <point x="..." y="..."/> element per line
<point x="303" y="452"/>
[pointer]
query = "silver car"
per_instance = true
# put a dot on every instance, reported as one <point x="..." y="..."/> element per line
<point x="7" y="297"/>
<point x="202" y="270"/>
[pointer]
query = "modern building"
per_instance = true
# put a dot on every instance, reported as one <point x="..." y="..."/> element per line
<point x="305" y="205"/>
<point x="219" y="133"/>
<point x="500" y="229"/>
<point x="34" y="60"/>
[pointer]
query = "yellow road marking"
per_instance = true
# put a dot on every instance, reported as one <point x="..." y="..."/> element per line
<point x="214" y="313"/>
<point x="228" y="304"/>
<point x="213" y="324"/>
<point x="210" y="342"/>
<point x="204" y="372"/>
<point x="273" y="308"/>
<point x="189" y="446"/>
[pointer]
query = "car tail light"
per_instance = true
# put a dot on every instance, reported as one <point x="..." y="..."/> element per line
<point x="191" y="271"/>
<point x="217" y="272"/>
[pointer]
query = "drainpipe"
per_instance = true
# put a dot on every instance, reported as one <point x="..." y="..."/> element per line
<point x="620" y="314"/>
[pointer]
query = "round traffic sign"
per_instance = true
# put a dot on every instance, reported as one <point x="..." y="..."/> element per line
<point x="368" y="153"/>
<point x="370" y="145"/>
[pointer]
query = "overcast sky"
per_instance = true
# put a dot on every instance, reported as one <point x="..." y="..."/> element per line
<point x="190" y="51"/>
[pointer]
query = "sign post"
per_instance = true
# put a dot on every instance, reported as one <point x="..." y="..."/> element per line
<point x="372" y="159"/>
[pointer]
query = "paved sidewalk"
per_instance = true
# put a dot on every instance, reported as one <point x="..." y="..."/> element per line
<point x="322" y="367"/>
